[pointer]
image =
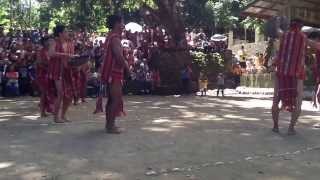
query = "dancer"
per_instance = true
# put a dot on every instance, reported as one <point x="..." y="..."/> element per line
<point x="316" y="72"/>
<point x="290" y="74"/>
<point x="60" y="52"/>
<point x="76" y="84"/>
<point x="43" y="78"/>
<point x="83" y="76"/>
<point x="112" y="73"/>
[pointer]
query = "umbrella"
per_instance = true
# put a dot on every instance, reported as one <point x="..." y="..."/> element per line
<point x="103" y="39"/>
<point x="219" y="37"/>
<point x="133" y="27"/>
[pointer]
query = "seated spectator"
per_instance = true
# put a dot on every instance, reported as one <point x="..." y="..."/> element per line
<point x="12" y="85"/>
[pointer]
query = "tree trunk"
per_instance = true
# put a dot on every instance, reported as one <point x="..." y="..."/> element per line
<point x="170" y="61"/>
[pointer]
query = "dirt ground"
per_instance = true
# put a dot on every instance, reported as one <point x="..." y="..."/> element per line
<point x="166" y="138"/>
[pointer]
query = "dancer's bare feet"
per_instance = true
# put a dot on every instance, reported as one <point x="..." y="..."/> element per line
<point x="58" y="121"/>
<point x="66" y="120"/>
<point x="43" y="115"/>
<point x="114" y="130"/>
<point x="291" y="132"/>
<point x="276" y="130"/>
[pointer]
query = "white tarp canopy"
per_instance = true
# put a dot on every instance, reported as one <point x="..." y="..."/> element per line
<point x="134" y="27"/>
<point x="308" y="29"/>
<point x="219" y="37"/>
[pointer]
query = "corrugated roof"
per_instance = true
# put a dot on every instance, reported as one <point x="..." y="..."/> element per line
<point x="306" y="10"/>
<point x="264" y="9"/>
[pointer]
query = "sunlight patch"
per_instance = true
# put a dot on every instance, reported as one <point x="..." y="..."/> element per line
<point x="179" y="107"/>
<point x="241" y="117"/>
<point x="53" y="132"/>
<point x="4" y="165"/>
<point x="31" y="117"/>
<point x="160" y="121"/>
<point x="209" y="118"/>
<point x="7" y="113"/>
<point x="4" y="119"/>
<point x="246" y="134"/>
<point x="156" y="129"/>
<point x="187" y="114"/>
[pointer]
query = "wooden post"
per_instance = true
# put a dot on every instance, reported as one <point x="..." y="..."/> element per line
<point x="230" y="39"/>
<point x="245" y="34"/>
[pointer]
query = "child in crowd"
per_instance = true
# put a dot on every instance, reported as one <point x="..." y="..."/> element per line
<point x="220" y="83"/>
<point x="203" y="84"/>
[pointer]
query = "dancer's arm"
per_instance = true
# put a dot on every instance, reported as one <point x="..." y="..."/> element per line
<point x="315" y="96"/>
<point x="118" y="52"/>
<point x="52" y="51"/>
<point x="313" y="44"/>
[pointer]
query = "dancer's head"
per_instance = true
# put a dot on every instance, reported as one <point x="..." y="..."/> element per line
<point x="45" y="42"/>
<point x="59" y="32"/>
<point x="296" y="24"/>
<point x="115" y="23"/>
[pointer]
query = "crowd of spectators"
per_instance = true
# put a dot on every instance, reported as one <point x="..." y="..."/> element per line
<point x="199" y="41"/>
<point x="19" y="55"/>
<point x="19" y="49"/>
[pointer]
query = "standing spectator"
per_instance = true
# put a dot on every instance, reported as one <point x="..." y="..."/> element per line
<point x="1" y="75"/>
<point x="32" y="79"/>
<point x="24" y="81"/>
<point x="243" y="57"/>
<point x="3" y="68"/>
<point x="186" y="74"/>
<point x="220" y="83"/>
<point x="148" y="83"/>
<point x="156" y="81"/>
<point x="237" y="72"/>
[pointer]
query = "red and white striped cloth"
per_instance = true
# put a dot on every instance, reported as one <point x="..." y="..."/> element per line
<point x="291" y="67"/>
<point x="292" y="54"/>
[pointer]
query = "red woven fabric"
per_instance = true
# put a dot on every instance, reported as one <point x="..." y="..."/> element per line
<point x="288" y="92"/>
<point x="42" y="79"/>
<point x="76" y="82"/>
<point x="42" y="69"/>
<point x="55" y="63"/>
<point x="292" y="54"/>
<point x="290" y="67"/>
<point x="67" y="79"/>
<point x="111" y="72"/>
<point x="59" y="70"/>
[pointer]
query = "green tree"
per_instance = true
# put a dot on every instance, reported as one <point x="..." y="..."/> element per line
<point x="4" y="13"/>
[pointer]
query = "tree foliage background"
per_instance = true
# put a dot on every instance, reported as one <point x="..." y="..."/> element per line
<point x="211" y="15"/>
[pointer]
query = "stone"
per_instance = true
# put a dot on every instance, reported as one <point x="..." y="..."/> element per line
<point x="219" y="163"/>
<point x="151" y="173"/>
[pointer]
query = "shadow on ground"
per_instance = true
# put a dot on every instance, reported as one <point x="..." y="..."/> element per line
<point x="161" y="133"/>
